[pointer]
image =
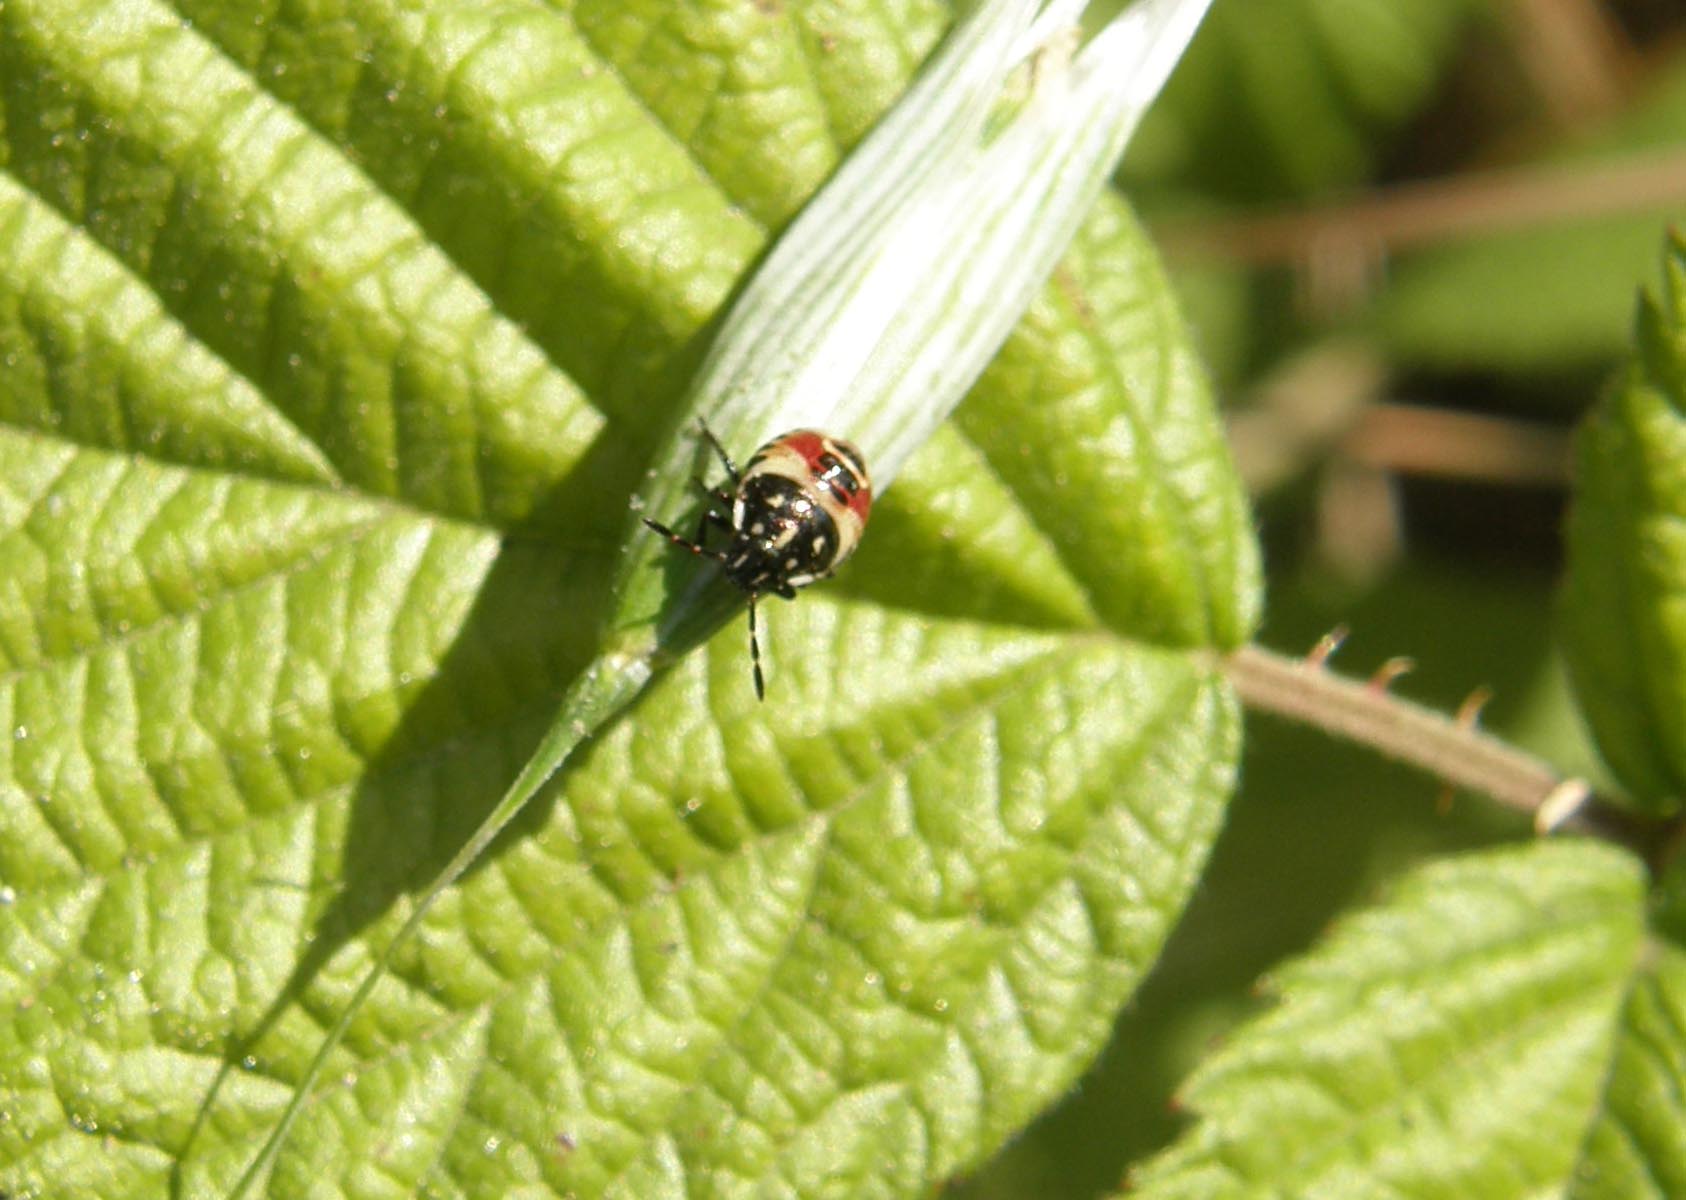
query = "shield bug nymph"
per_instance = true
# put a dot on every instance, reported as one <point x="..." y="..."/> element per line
<point x="794" y="514"/>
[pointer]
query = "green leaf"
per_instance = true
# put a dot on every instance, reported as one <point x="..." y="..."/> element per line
<point x="1293" y="97"/>
<point x="334" y="344"/>
<point x="1637" y="1150"/>
<point x="1543" y="297"/>
<point x="1530" y="301"/>
<point x="1623" y="624"/>
<point x="1452" y="1041"/>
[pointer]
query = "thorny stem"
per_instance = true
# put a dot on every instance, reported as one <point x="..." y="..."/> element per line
<point x="1455" y="751"/>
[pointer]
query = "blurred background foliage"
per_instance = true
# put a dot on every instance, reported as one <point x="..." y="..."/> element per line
<point x="1410" y="238"/>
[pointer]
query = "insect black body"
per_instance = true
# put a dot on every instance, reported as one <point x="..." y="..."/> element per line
<point x="794" y="514"/>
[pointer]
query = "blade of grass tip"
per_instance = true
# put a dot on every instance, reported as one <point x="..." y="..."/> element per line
<point x="1059" y="151"/>
<point x="1140" y="47"/>
<point x="935" y="111"/>
<point x="601" y="691"/>
<point x="791" y="300"/>
<point x="1057" y="16"/>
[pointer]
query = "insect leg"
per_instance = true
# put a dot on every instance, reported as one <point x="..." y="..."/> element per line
<point x="710" y="517"/>
<point x="716" y="512"/>
<point x="755" y="652"/>
<point x="717" y="495"/>
<point x="695" y="547"/>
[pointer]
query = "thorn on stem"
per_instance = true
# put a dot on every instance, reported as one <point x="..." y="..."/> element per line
<point x="1319" y="655"/>
<point x="1469" y="712"/>
<point x="1391" y="670"/>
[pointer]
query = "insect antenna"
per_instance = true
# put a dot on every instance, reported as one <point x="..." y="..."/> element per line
<point x="725" y="459"/>
<point x="755" y="651"/>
